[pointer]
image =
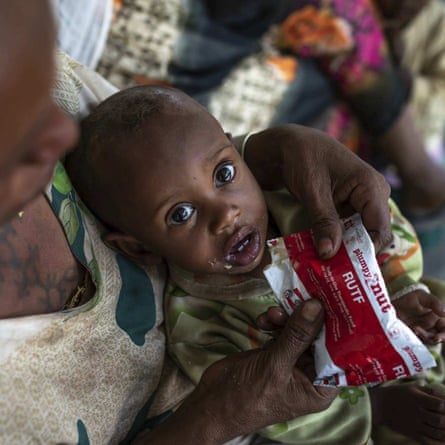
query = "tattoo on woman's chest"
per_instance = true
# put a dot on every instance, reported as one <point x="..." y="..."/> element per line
<point x="23" y="272"/>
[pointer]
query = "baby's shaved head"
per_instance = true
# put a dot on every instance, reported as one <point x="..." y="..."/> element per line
<point x="115" y="143"/>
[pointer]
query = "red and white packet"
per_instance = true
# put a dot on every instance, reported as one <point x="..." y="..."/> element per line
<point x="362" y="341"/>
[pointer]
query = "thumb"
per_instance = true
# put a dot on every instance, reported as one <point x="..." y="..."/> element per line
<point x="300" y="331"/>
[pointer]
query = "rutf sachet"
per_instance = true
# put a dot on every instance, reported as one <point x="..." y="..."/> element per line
<point x="362" y="340"/>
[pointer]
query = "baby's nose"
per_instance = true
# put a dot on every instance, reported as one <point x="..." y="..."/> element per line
<point x="224" y="217"/>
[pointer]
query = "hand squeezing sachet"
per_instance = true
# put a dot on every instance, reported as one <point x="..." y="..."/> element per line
<point x="362" y="341"/>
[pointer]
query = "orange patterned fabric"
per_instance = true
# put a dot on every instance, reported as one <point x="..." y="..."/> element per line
<point x="316" y="32"/>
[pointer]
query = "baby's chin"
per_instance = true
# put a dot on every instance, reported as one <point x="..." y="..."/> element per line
<point x="255" y="267"/>
<point x="245" y="269"/>
<point x="221" y="268"/>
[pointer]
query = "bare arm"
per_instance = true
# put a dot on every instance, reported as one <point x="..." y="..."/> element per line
<point x="326" y="177"/>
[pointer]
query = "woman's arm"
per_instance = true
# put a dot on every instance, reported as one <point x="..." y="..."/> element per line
<point x="327" y="178"/>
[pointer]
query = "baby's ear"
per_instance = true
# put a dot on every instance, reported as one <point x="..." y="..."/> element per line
<point x="131" y="248"/>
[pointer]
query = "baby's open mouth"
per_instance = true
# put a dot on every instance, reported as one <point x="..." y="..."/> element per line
<point x="243" y="247"/>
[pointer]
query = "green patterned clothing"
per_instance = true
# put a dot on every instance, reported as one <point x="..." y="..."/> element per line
<point x="208" y="319"/>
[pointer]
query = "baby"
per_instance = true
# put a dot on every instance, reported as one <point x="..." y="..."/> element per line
<point x="169" y="185"/>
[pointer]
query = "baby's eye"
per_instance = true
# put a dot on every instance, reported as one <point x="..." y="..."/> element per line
<point x="224" y="174"/>
<point x="180" y="214"/>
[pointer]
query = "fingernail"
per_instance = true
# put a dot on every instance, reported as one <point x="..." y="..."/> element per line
<point x="375" y="238"/>
<point x="311" y="310"/>
<point x="281" y="313"/>
<point x="325" y="247"/>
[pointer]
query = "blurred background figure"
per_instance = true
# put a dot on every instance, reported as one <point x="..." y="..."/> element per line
<point x="416" y="34"/>
<point x="83" y="27"/>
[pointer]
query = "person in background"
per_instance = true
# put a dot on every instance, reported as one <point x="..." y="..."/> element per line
<point x="82" y="28"/>
<point x="414" y="30"/>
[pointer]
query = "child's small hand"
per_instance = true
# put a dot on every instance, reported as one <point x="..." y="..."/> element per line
<point x="424" y="314"/>
<point x="412" y="410"/>
<point x="273" y="319"/>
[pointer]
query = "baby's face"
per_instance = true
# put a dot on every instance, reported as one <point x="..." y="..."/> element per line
<point x="202" y="208"/>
